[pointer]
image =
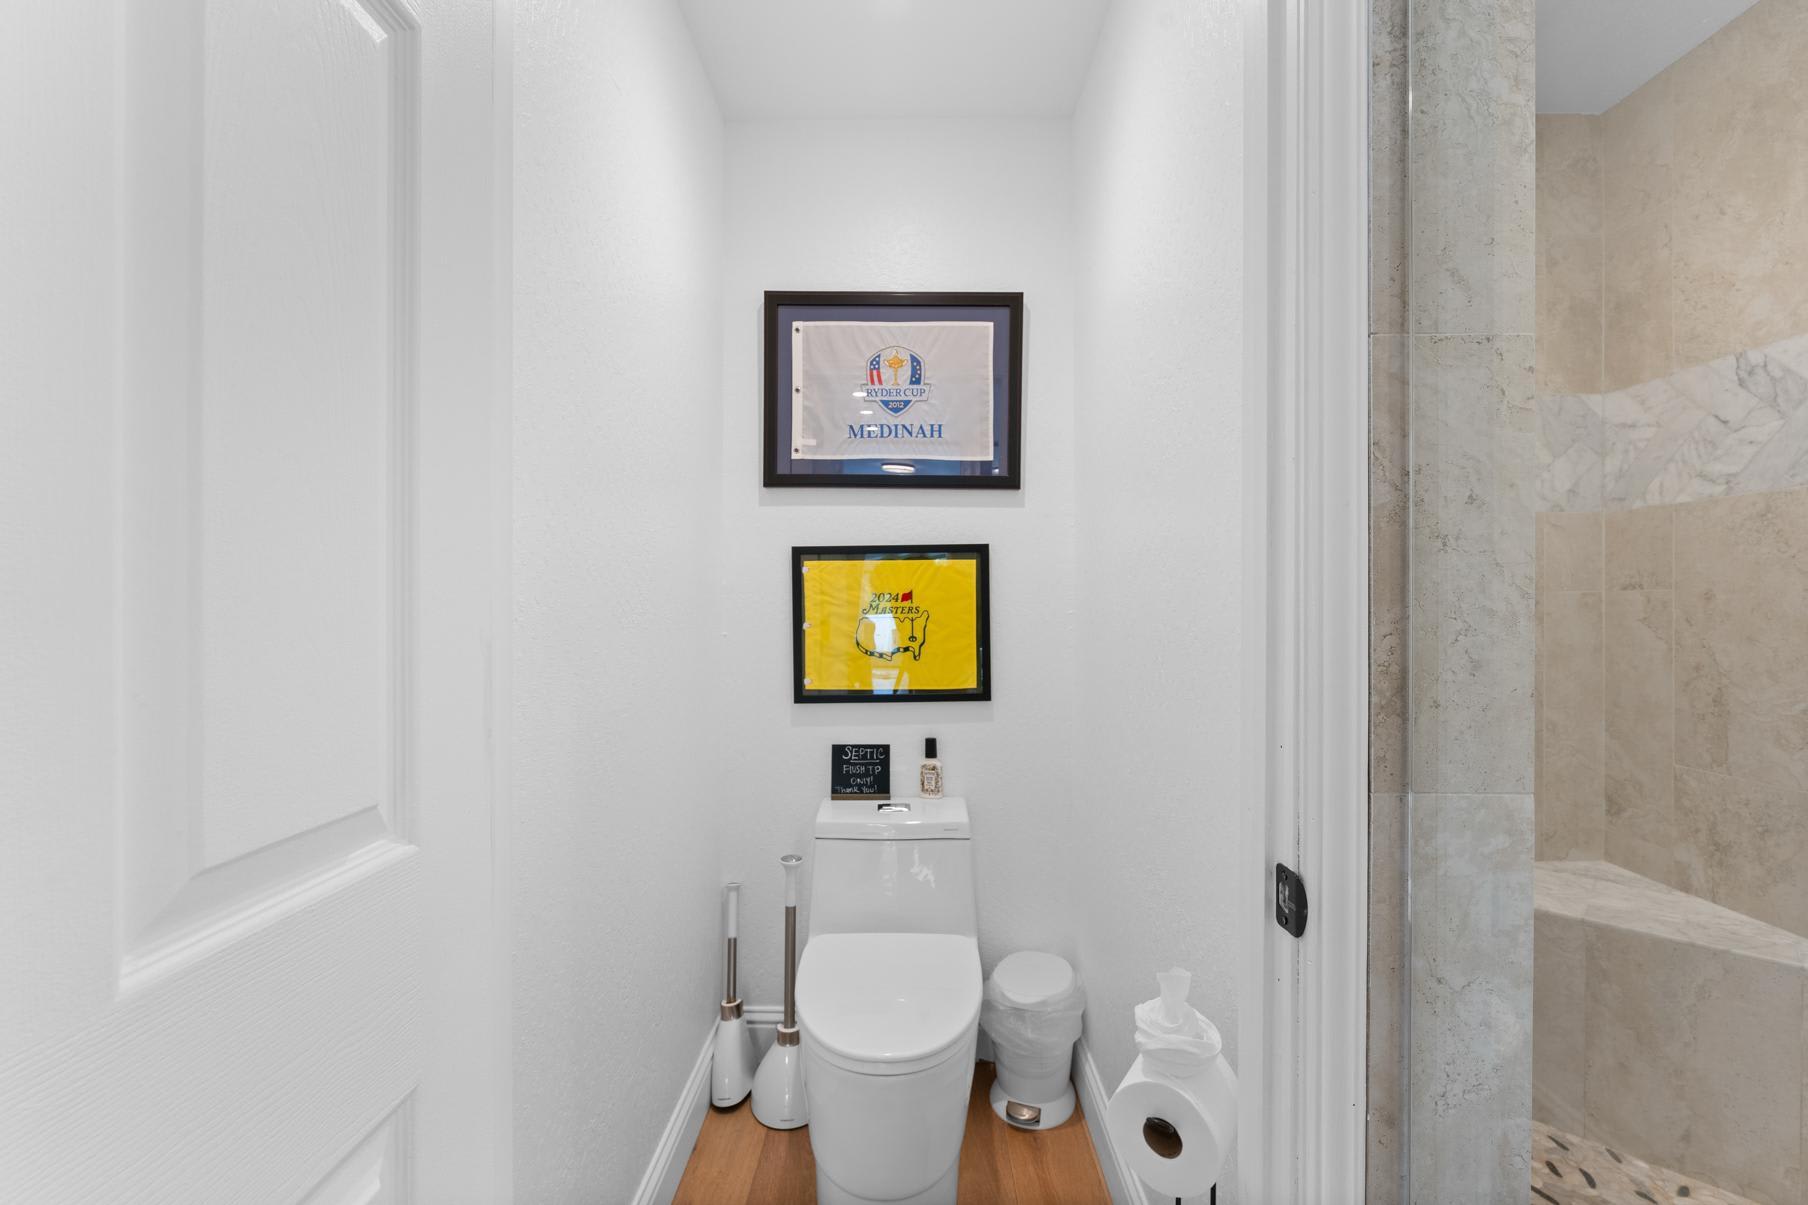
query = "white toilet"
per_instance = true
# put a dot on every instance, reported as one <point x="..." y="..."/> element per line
<point x="888" y="999"/>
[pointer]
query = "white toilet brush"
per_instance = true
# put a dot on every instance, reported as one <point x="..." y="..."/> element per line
<point x="731" y="1070"/>
<point x="778" y="1090"/>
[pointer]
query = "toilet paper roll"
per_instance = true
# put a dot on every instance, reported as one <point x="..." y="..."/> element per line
<point x="1175" y="1133"/>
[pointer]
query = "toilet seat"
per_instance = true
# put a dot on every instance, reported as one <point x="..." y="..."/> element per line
<point x="888" y="1003"/>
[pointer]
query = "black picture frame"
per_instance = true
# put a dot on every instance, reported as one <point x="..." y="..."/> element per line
<point x="779" y="470"/>
<point x="981" y="554"/>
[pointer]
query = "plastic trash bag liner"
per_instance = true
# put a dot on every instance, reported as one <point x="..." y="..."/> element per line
<point x="1037" y="1038"/>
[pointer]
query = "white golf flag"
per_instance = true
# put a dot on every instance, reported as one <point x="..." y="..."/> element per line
<point x="891" y="391"/>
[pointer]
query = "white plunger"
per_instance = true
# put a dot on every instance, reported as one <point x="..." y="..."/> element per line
<point x="778" y="1090"/>
<point x="731" y="1070"/>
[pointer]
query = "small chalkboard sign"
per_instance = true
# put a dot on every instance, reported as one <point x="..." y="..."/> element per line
<point x="860" y="771"/>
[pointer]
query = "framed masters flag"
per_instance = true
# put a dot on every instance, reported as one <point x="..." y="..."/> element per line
<point x="894" y="389"/>
<point x="886" y="624"/>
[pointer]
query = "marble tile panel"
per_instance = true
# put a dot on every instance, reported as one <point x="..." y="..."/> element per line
<point x="1559" y="985"/>
<point x="1751" y="387"/>
<point x="1470" y="1067"/>
<point x="1741" y="640"/>
<point x="1387" y="166"/>
<point x="1735" y="425"/>
<point x="1741" y="184"/>
<point x="1792" y="352"/>
<point x="1764" y="445"/>
<point x="1388" y="520"/>
<point x="1704" y="1074"/>
<point x="1473" y="166"/>
<point x="1571" y="438"/>
<point x="1571" y="789"/>
<point x="1640" y="548"/>
<point x="1639" y="743"/>
<point x="1387" y="996"/>
<point x="1569" y="551"/>
<point x="1644" y="427"/>
<point x="1743" y="845"/>
<point x="1474" y="482"/>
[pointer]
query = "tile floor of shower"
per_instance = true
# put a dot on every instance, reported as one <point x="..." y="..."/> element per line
<point x="1567" y="1169"/>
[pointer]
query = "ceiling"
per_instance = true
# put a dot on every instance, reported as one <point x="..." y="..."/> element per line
<point x="907" y="58"/>
<point x="1593" y="53"/>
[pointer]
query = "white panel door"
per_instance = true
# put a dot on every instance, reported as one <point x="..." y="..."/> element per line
<point x="250" y="498"/>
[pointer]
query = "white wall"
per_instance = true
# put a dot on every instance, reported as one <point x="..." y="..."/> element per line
<point x="618" y="251"/>
<point x="1158" y="218"/>
<point x="1099" y="834"/>
<point x="978" y="205"/>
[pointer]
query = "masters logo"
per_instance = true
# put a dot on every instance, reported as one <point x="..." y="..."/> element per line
<point x="891" y="625"/>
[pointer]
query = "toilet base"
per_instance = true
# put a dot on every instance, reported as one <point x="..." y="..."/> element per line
<point x="1053" y="1113"/>
<point x="942" y="1192"/>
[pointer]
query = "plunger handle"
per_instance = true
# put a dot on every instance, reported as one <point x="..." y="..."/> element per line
<point x="791" y="862"/>
<point x="733" y="891"/>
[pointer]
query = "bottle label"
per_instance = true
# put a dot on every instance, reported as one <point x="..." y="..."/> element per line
<point x="929" y="784"/>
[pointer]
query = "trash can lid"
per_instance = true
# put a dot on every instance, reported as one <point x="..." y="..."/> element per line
<point x="1029" y="978"/>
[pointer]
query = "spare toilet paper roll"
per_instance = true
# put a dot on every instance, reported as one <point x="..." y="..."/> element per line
<point x="1175" y="1133"/>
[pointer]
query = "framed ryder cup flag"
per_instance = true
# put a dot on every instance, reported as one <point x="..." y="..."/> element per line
<point x="890" y="623"/>
<point x="894" y="389"/>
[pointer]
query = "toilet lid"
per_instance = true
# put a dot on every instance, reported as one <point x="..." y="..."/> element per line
<point x="1030" y="978"/>
<point x="888" y="1002"/>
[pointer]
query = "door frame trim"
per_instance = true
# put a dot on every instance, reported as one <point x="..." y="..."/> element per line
<point x="502" y="601"/>
<point x="1304" y="1037"/>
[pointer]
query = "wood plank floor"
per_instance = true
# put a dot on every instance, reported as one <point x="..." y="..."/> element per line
<point x="738" y="1161"/>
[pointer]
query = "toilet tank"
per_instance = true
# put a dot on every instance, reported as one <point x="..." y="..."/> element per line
<point x="902" y="866"/>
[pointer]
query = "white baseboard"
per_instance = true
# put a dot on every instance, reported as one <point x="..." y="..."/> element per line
<point x="1122" y="1183"/>
<point x="660" y="1183"/>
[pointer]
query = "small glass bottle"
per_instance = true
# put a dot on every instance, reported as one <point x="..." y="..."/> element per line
<point x="929" y="778"/>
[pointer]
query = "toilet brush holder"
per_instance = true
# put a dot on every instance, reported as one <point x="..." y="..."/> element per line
<point x="732" y="1064"/>
<point x="778" y="1088"/>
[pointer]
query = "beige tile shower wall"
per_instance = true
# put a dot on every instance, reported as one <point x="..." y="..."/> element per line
<point x="1705" y="170"/>
<point x="1740" y="798"/>
<point x="1673" y="697"/>
<point x="1570" y="250"/>
<point x="1571" y="757"/>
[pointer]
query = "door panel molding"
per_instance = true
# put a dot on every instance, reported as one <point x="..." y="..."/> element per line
<point x="216" y="1085"/>
<point x="376" y="1171"/>
<point x="257" y="342"/>
<point x="202" y="859"/>
<point x="222" y="904"/>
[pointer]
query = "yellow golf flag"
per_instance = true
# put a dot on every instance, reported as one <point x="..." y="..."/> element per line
<point x="881" y="623"/>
